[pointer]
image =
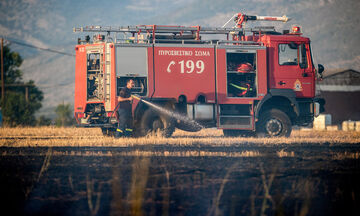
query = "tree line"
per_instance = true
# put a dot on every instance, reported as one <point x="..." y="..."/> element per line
<point x="23" y="98"/>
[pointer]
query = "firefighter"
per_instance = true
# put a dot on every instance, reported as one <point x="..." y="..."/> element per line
<point x="124" y="111"/>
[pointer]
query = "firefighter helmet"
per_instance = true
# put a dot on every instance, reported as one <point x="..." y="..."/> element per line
<point x="244" y="68"/>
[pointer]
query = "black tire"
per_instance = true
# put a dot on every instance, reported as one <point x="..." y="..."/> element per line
<point x="154" y="123"/>
<point x="108" y="131"/>
<point x="273" y="123"/>
<point x="237" y="133"/>
<point x="190" y="126"/>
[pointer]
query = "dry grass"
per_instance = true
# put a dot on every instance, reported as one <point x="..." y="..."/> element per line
<point x="283" y="153"/>
<point x="346" y="155"/>
<point x="73" y="137"/>
<point x="138" y="153"/>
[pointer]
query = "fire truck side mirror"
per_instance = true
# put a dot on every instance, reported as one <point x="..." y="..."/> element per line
<point x="320" y="69"/>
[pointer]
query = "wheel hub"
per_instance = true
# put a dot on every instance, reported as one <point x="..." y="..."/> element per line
<point x="273" y="127"/>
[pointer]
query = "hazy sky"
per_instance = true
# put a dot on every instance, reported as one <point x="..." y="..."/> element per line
<point x="332" y="26"/>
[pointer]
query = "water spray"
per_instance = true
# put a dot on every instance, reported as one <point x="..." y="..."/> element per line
<point x="170" y="113"/>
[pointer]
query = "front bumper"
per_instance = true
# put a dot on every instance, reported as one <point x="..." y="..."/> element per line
<point x="308" y="109"/>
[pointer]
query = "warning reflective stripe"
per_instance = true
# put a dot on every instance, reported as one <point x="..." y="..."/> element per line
<point x="118" y="130"/>
<point x="129" y="129"/>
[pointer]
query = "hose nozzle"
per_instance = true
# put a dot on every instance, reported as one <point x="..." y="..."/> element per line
<point x="136" y="97"/>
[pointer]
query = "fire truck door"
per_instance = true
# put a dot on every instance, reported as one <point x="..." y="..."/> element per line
<point x="292" y="69"/>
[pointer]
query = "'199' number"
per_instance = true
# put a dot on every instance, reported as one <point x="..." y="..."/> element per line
<point x="189" y="66"/>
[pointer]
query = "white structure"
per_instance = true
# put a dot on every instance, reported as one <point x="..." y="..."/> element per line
<point x="322" y="121"/>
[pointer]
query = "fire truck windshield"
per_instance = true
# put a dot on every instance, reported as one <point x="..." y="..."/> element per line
<point x="311" y="58"/>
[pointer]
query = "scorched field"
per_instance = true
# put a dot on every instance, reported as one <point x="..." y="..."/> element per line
<point x="74" y="171"/>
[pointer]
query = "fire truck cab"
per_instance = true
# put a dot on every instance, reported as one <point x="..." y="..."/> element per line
<point x="254" y="81"/>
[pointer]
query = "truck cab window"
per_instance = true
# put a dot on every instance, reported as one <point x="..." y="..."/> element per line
<point x="293" y="54"/>
<point x="288" y="54"/>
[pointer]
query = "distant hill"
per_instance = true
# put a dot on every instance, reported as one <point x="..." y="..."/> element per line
<point x="332" y="26"/>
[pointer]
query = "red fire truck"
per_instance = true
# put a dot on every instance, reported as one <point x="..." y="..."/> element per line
<point x="242" y="80"/>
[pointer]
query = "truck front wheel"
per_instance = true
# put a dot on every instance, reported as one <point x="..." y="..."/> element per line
<point x="154" y="122"/>
<point x="273" y="123"/>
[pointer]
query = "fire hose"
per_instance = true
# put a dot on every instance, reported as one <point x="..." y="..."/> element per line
<point x="243" y="89"/>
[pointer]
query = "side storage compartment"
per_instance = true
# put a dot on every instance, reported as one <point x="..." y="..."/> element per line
<point x="241" y="83"/>
<point x="132" y="63"/>
<point x="241" y="74"/>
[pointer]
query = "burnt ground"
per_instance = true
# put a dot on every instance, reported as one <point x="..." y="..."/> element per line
<point x="308" y="179"/>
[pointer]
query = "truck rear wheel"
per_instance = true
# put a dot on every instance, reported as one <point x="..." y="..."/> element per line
<point x="273" y="123"/>
<point x="156" y="123"/>
<point x="237" y="133"/>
